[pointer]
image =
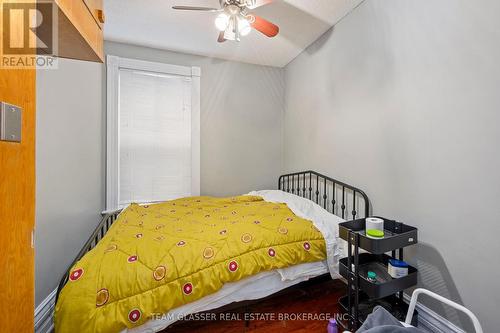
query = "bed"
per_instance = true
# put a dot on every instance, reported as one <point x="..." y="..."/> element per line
<point x="299" y="221"/>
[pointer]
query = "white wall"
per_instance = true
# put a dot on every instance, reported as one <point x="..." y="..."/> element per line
<point x="402" y="100"/>
<point x="69" y="166"/>
<point x="241" y="115"/>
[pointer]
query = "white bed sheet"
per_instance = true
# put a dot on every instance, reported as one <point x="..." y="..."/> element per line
<point x="270" y="282"/>
<point x="251" y="288"/>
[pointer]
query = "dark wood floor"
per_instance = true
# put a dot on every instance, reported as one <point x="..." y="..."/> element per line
<point x="318" y="296"/>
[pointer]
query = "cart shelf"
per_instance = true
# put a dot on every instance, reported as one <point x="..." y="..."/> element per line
<point x="396" y="235"/>
<point x="363" y="295"/>
<point x="386" y="285"/>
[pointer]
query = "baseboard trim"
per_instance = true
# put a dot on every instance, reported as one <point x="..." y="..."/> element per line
<point x="44" y="314"/>
<point x="430" y="321"/>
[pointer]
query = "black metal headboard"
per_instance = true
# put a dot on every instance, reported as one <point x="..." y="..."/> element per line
<point x="335" y="196"/>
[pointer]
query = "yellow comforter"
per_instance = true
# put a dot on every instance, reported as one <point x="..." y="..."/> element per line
<point x="159" y="257"/>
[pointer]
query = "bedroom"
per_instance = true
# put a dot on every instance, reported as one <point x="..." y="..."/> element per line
<point x="396" y="98"/>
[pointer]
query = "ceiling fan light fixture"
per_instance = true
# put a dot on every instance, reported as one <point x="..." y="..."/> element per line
<point x="229" y="35"/>
<point x="230" y="32"/>
<point x="244" y="26"/>
<point x="234" y="20"/>
<point x="222" y="22"/>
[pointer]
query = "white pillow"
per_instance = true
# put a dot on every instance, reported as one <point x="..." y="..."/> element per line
<point x="326" y="222"/>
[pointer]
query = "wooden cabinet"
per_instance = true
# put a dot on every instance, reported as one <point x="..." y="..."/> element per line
<point x="80" y="33"/>
<point x="80" y="37"/>
<point x="95" y="8"/>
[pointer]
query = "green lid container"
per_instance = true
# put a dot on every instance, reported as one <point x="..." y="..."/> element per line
<point x="371" y="275"/>
<point x="375" y="233"/>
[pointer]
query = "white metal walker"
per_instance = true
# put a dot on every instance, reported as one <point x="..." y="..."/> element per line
<point x="413" y="303"/>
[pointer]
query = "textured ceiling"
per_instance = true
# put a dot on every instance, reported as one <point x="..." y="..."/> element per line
<point x="153" y="23"/>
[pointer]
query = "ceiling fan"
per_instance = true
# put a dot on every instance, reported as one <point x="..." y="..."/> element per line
<point x="235" y="19"/>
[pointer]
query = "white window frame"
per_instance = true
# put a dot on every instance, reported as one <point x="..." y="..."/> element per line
<point x="114" y="64"/>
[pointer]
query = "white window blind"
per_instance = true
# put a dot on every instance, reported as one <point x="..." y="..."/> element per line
<point x="155" y="136"/>
<point x="153" y="132"/>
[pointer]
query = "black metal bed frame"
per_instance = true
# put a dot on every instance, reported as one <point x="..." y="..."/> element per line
<point x="326" y="192"/>
<point x="315" y="187"/>
<point x="102" y="228"/>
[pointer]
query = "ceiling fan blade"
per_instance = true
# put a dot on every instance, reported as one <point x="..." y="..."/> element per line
<point x="259" y="3"/>
<point x="221" y="38"/>
<point x="264" y="26"/>
<point x="203" y="9"/>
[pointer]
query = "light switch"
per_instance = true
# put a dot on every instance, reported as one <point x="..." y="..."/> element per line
<point x="10" y="122"/>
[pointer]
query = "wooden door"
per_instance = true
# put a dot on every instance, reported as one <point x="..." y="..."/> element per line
<point x="17" y="204"/>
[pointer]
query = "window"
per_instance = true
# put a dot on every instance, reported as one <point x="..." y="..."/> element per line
<point x="153" y="132"/>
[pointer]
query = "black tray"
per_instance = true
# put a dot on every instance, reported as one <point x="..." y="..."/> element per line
<point x="397" y="235"/>
<point x="393" y="304"/>
<point x="386" y="284"/>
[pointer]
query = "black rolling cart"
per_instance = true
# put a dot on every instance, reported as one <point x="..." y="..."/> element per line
<point x="364" y="294"/>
